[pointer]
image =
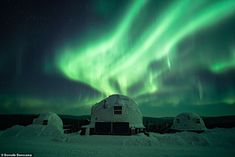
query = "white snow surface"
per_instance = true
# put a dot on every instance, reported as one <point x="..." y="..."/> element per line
<point x="212" y="143"/>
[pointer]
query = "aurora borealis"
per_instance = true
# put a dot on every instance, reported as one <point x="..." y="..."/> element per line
<point x="169" y="56"/>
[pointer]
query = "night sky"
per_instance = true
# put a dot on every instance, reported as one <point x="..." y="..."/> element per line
<point x="169" y="56"/>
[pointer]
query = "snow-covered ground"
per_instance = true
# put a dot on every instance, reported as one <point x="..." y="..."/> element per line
<point x="42" y="142"/>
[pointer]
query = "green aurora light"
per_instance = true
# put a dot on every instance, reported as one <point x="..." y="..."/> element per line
<point x="120" y="60"/>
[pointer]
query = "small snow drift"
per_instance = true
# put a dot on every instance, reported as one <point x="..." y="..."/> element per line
<point x="47" y="124"/>
<point x="50" y="119"/>
<point x="115" y="115"/>
<point x="188" y="122"/>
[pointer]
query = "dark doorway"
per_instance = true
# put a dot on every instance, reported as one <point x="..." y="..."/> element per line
<point x="120" y="128"/>
<point x="103" y="128"/>
<point x="109" y="128"/>
<point x="45" y="122"/>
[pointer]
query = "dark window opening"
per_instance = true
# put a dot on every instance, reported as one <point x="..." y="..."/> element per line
<point x="177" y="120"/>
<point x="117" y="112"/>
<point x="198" y="121"/>
<point x="44" y="122"/>
<point x="117" y="109"/>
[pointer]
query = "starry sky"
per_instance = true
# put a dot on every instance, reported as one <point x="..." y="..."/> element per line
<point x="169" y="56"/>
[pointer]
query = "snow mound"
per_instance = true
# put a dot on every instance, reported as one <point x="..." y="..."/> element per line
<point x="13" y="131"/>
<point x="51" y="119"/>
<point x="214" y="142"/>
<point x="33" y="130"/>
<point x="164" y="139"/>
<point x="192" y="138"/>
<point x="213" y="137"/>
<point x="220" y="136"/>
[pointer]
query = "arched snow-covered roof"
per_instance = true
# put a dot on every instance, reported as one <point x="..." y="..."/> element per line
<point x="50" y="119"/>
<point x="188" y="122"/>
<point x="117" y="108"/>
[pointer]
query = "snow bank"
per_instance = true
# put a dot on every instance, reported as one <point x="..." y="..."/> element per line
<point x="33" y="130"/>
<point x="13" y="131"/>
<point x="209" y="138"/>
<point x="220" y="136"/>
<point x="213" y="137"/>
<point x="135" y="140"/>
<point x="42" y="142"/>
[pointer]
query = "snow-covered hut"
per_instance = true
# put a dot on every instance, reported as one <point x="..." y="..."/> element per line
<point x="50" y="119"/>
<point x="188" y="122"/>
<point x="116" y="114"/>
